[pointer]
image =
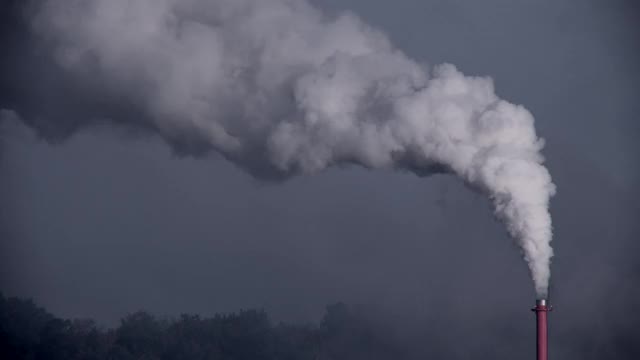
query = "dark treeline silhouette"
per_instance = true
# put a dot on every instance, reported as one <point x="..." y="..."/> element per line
<point x="30" y="332"/>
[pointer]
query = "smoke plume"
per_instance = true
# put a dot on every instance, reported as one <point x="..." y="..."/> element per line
<point x="281" y="89"/>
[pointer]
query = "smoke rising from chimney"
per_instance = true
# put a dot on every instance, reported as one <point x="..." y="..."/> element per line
<point x="281" y="89"/>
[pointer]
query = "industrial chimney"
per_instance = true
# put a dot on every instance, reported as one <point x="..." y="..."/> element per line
<point x="541" y="311"/>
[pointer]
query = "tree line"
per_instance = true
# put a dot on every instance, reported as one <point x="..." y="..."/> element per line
<point x="28" y="331"/>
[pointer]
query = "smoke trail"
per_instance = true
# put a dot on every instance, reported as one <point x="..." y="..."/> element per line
<point x="280" y="89"/>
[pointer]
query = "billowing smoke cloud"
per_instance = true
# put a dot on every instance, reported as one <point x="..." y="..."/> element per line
<point x="281" y="89"/>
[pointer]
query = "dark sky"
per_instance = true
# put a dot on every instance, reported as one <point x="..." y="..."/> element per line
<point x="109" y="222"/>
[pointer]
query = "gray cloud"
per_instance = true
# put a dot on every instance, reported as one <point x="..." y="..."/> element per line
<point x="277" y="87"/>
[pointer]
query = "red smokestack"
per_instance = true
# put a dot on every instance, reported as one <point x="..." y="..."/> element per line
<point x="541" y="311"/>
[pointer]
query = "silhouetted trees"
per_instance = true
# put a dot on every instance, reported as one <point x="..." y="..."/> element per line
<point x="29" y="332"/>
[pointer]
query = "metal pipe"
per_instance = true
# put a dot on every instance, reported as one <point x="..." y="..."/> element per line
<point x="541" y="311"/>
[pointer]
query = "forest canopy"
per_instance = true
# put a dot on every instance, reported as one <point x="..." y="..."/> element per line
<point x="28" y="331"/>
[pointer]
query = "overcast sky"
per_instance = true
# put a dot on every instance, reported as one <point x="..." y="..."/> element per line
<point x="109" y="221"/>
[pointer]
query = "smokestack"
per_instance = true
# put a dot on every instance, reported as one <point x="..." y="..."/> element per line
<point x="541" y="311"/>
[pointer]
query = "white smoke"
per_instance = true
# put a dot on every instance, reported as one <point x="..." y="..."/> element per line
<point x="279" y="84"/>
